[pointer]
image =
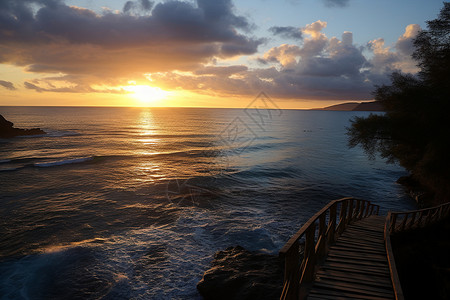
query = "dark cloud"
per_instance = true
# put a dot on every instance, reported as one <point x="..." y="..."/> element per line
<point x="336" y="3"/>
<point x="137" y="6"/>
<point x="287" y="32"/>
<point x="32" y="86"/>
<point x="79" y="88"/>
<point x="220" y="71"/>
<point x="7" y="85"/>
<point x="49" y="36"/>
<point x="321" y="68"/>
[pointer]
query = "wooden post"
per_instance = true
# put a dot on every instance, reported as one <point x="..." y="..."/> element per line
<point x="429" y="217"/>
<point x="310" y="255"/>
<point x="322" y="244"/>
<point x="419" y="221"/>
<point x="291" y="271"/>
<point x="362" y="208"/>
<point x="342" y="218"/>
<point x="403" y="224"/>
<point x="332" y="225"/>
<point x="350" y="211"/>
<point x="358" y="204"/>
<point x="372" y="207"/>
<point x="393" y="220"/>
<point x="413" y="219"/>
<point x="367" y="209"/>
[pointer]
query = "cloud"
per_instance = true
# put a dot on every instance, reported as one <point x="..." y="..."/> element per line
<point x="405" y="43"/>
<point x="319" y="68"/>
<point x="32" y="86"/>
<point x="64" y="86"/>
<point x="137" y="7"/>
<point x="221" y="71"/>
<point x="387" y="59"/>
<point x="336" y="3"/>
<point x="287" y="32"/>
<point x="284" y="54"/>
<point x="47" y="36"/>
<point x="7" y="85"/>
<point x="177" y="45"/>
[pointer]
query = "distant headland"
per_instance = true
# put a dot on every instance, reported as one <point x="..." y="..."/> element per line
<point x="7" y="129"/>
<point x="355" y="106"/>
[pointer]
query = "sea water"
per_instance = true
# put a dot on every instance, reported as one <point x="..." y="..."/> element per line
<point x="132" y="203"/>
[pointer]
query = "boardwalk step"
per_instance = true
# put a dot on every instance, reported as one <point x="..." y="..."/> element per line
<point x="344" y="295"/>
<point x="356" y="266"/>
<point x="354" y="288"/>
<point x="370" y="279"/>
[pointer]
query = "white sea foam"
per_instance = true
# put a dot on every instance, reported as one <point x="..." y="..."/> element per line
<point x="63" y="162"/>
<point x="60" y="133"/>
<point x="10" y="169"/>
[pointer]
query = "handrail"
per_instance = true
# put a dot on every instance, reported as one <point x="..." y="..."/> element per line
<point x="398" y="292"/>
<point x="330" y="224"/>
<point x="409" y="220"/>
<point x="417" y="218"/>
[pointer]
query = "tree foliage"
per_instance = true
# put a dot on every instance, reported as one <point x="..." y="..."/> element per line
<point x="415" y="129"/>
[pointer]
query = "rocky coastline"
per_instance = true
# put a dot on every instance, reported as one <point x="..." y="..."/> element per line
<point x="7" y="130"/>
<point x="421" y="194"/>
<point x="237" y="273"/>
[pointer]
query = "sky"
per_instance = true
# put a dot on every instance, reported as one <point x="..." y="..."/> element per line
<point x="204" y="53"/>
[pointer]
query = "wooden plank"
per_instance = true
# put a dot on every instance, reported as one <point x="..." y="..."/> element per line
<point x="357" y="287"/>
<point x="367" y="277"/>
<point x="360" y="247"/>
<point x="361" y="237"/>
<point x="368" y="270"/>
<point x="328" y="297"/>
<point x="343" y="295"/>
<point x="345" y="277"/>
<point x="353" y="232"/>
<point x="349" y="248"/>
<point x="361" y="263"/>
<point x="353" y="289"/>
<point x="365" y="242"/>
<point x="357" y="265"/>
<point x="357" y="255"/>
<point x="369" y="229"/>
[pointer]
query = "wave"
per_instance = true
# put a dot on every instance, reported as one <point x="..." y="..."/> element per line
<point x="10" y="169"/>
<point x="63" y="162"/>
<point x="60" y="133"/>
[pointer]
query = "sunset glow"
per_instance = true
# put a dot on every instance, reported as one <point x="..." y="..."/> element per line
<point x="147" y="95"/>
<point x="304" y="54"/>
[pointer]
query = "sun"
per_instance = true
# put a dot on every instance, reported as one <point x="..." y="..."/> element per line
<point x="146" y="94"/>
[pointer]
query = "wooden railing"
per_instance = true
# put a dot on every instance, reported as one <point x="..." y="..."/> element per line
<point x="391" y="261"/>
<point x="401" y="221"/>
<point x="316" y="236"/>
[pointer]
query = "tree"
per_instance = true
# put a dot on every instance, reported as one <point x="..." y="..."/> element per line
<point x="415" y="129"/>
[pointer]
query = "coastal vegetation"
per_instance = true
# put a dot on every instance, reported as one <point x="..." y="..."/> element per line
<point x="415" y="129"/>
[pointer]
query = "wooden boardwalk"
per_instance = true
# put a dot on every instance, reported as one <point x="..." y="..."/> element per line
<point x="356" y="266"/>
<point x="344" y="251"/>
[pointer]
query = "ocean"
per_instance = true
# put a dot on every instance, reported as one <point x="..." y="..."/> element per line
<point x="132" y="203"/>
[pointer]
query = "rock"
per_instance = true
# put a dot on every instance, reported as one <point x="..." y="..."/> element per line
<point x="421" y="194"/>
<point x="7" y="129"/>
<point x="237" y="273"/>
